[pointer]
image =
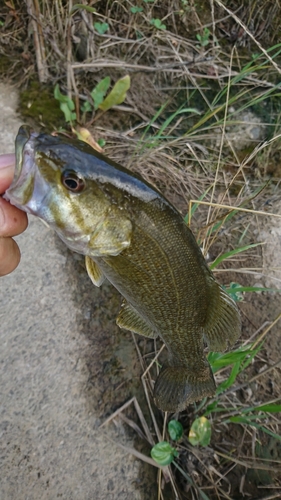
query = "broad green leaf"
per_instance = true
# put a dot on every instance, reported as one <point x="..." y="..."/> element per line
<point x="175" y="430"/>
<point x="67" y="105"/>
<point x="63" y="98"/>
<point x="100" y="90"/>
<point x="101" y="142"/>
<point x="117" y="94"/>
<point x="157" y="23"/>
<point x="101" y="28"/>
<point x="86" y="107"/>
<point x="163" y="453"/>
<point x="68" y="114"/>
<point x="200" y="432"/>
<point x="136" y="10"/>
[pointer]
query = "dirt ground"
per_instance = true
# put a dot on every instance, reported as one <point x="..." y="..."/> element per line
<point x="65" y="366"/>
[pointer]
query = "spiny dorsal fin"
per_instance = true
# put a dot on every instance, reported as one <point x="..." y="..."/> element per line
<point x="94" y="271"/>
<point x="129" y="319"/>
<point x="223" y="323"/>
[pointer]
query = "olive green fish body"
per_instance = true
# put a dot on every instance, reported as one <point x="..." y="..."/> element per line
<point x="134" y="237"/>
<point x="164" y="276"/>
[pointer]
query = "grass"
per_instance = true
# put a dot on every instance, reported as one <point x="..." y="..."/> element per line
<point x="182" y="125"/>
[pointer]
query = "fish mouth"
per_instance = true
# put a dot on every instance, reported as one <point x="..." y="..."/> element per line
<point x="22" y="138"/>
<point x="20" y="190"/>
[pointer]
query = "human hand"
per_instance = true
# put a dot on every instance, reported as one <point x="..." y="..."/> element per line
<point x="12" y="220"/>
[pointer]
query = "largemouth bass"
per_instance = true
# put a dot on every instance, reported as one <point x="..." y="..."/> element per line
<point x="131" y="235"/>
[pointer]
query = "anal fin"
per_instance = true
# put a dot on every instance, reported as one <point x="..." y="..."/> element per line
<point x="94" y="271"/>
<point x="129" y="319"/>
<point x="223" y="323"/>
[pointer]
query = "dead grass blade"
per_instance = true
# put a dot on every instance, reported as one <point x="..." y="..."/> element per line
<point x="118" y="412"/>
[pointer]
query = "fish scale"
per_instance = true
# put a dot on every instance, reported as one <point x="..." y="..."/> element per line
<point x="131" y="235"/>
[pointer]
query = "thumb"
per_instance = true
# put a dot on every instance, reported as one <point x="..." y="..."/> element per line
<point x="7" y="167"/>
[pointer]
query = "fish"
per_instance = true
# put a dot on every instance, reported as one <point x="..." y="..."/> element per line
<point x="133" y="236"/>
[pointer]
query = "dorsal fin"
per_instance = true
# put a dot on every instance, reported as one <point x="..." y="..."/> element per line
<point x="223" y="323"/>
<point x="129" y="319"/>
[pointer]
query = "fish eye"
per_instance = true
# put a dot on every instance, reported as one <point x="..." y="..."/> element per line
<point x="72" y="182"/>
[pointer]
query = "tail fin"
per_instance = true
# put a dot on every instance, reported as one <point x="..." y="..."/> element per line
<point x="177" y="387"/>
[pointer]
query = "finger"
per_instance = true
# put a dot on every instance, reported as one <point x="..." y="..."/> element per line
<point x="7" y="168"/>
<point x="12" y="220"/>
<point x="9" y="255"/>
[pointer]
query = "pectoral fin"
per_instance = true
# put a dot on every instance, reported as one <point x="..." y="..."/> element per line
<point x="94" y="271"/>
<point x="129" y="319"/>
<point x="223" y="323"/>
<point x="111" y="235"/>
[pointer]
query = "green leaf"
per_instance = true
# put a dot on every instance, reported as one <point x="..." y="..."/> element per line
<point x="175" y="430"/>
<point x="136" y="10"/>
<point x="117" y="94"/>
<point x="200" y="432"/>
<point x="238" y="288"/>
<point x="163" y="453"/>
<point x="82" y="6"/>
<point x="101" y="143"/>
<point x="226" y="255"/>
<point x="68" y="114"/>
<point x="171" y="117"/>
<point x="101" y="28"/>
<point x="157" y="23"/>
<point x="86" y="107"/>
<point x="234" y="291"/>
<point x="194" y="207"/>
<point x="271" y="408"/>
<point x="100" y="90"/>
<point x="213" y="408"/>
<point x="230" y="380"/>
<point x="218" y="360"/>
<point x="240" y="420"/>
<point x="66" y="104"/>
<point x="63" y="98"/>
